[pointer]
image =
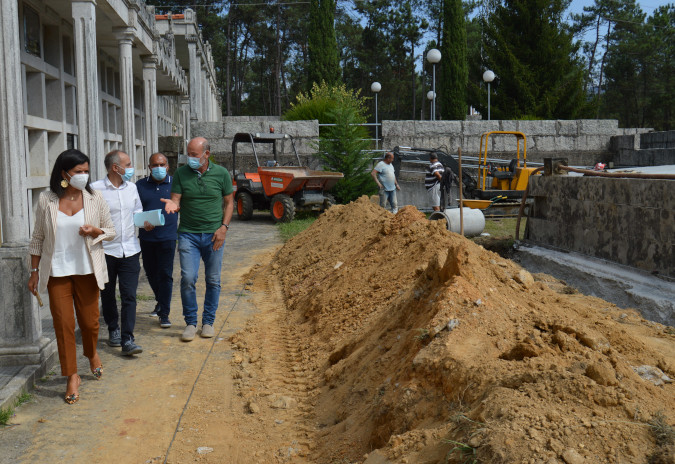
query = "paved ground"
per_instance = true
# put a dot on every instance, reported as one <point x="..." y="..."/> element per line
<point x="134" y="413"/>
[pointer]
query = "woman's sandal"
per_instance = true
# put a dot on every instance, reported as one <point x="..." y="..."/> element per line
<point x="98" y="372"/>
<point x="73" y="397"/>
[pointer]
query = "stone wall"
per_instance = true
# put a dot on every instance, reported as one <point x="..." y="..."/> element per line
<point x="627" y="221"/>
<point x="305" y="135"/>
<point x="583" y="142"/>
<point x="649" y="149"/>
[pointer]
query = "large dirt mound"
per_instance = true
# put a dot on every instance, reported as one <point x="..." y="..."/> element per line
<point x="429" y="348"/>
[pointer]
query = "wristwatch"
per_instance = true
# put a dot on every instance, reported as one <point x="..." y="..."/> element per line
<point x="35" y="269"/>
<point x="226" y="226"/>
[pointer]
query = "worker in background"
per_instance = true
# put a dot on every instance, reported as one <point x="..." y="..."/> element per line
<point x="202" y="191"/>
<point x="122" y="253"/>
<point x="432" y="181"/>
<point x="385" y="178"/>
<point x="158" y="244"/>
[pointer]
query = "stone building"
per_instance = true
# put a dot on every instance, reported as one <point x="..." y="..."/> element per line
<point x="96" y="75"/>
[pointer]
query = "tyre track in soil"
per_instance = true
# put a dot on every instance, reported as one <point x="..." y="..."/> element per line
<point x="131" y="415"/>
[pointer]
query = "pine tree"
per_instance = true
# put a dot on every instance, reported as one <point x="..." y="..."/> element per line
<point x="454" y="69"/>
<point x="324" y="64"/>
<point x="530" y="49"/>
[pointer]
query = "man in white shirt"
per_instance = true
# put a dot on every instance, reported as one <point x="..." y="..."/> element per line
<point x="122" y="253"/>
<point x="384" y="176"/>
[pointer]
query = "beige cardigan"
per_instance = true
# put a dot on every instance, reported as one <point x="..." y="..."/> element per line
<point x="96" y="213"/>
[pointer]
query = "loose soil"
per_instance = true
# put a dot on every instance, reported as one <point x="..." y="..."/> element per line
<point x="371" y="338"/>
<point x="398" y="341"/>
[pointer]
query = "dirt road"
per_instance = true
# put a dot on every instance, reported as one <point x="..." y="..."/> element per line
<point x="175" y="397"/>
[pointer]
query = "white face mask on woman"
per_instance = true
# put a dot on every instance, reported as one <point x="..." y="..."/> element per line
<point x="79" y="181"/>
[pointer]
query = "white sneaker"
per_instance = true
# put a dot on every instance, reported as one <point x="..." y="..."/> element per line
<point x="394" y="211"/>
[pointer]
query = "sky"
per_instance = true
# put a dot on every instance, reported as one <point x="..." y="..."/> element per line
<point x="648" y="6"/>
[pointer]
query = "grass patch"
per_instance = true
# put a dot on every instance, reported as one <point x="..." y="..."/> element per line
<point x="7" y="413"/>
<point x="301" y="222"/>
<point x="663" y="433"/>
<point x="464" y="452"/>
<point x="23" y="398"/>
<point x="47" y="376"/>
<point x="502" y="235"/>
<point x="503" y="227"/>
<point x="140" y="297"/>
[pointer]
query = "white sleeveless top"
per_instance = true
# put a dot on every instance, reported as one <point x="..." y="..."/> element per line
<point x="70" y="249"/>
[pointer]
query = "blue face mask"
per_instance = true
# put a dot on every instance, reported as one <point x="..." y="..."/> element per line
<point x="128" y="174"/>
<point x="158" y="173"/>
<point x="194" y="163"/>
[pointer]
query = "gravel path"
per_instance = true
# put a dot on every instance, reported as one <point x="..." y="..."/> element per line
<point x="133" y="413"/>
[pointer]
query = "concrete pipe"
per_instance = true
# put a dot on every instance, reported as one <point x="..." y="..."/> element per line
<point x="474" y="220"/>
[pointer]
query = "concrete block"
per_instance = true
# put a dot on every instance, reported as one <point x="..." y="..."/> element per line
<point x="232" y="128"/>
<point x="299" y="128"/>
<point x="397" y="128"/>
<point x="531" y="128"/>
<point x="593" y="143"/>
<point x="598" y="127"/>
<point x="476" y="128"/>
<point x="471" y="144"/>
<point x="221" y="146"/>
<point x="437" y="128"/>
<point x="563" y="144"/>
<point x="544" y="143"/>
<point x="208" y="130"/>
<point x="508" y="125"/>
<point x="304" y="146"/>
<point x="567" y="127"/>
<point x="619" y="142"/>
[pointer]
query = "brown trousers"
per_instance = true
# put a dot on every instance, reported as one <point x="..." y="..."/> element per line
<point x="82" y="290"/>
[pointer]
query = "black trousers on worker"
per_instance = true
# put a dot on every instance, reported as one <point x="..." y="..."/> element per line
<point x="158" y="265"/>
<point x="126" y="270"/>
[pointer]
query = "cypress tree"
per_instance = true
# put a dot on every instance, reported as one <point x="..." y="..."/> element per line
<point x="451" y="87"/>
<point x="324" y="62"/>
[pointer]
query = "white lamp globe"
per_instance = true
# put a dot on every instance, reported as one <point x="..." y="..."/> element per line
<point x="430" y="95"/>
<point x="433" y="56"/>
<point x="488" y="76"/>
<point x="375" y="87"/>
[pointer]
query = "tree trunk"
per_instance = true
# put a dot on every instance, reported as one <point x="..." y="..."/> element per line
<point x="277" y="65"/>
<point x="228" y="98"/>
<point x="602" y="67"/>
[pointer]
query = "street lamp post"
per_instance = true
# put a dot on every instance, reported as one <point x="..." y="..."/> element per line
<point x="376" y="87"/>
<point x="433" y="57"/>
<point x="488" y="76"/>
<point x="430" y="96"/>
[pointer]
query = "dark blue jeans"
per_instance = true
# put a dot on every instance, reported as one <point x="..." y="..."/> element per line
<point x="158" y="266"/>
<point x="127" y="270"/>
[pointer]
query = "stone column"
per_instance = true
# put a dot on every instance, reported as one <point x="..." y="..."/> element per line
<point x="125" y="38"/>
<point x="206" y="87"/>
<point x="195" y="77"/>
<point x="150" y="95"/>
<point x="185" y="115"/>
<point x="90" y="141"/>
<point x="21" y="329"/>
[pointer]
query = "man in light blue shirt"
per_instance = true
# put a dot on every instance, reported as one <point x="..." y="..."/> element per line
<point x="385" y="178"/>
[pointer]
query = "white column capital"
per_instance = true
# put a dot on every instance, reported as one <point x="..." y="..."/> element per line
<point x="124" y="35"/>
<point x="149" y="61"/>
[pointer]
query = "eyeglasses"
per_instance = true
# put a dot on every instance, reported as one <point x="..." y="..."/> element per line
<point x="202" y="185"/>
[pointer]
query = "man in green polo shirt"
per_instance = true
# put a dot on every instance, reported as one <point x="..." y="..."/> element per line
<point x="203" y="193"/>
